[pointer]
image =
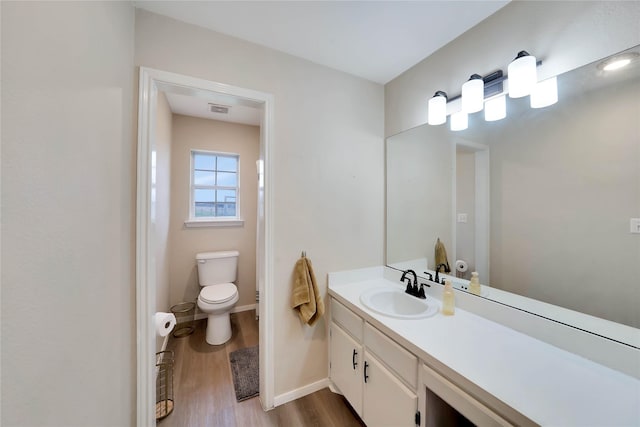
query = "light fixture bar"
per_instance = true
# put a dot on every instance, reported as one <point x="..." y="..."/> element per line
<point x="493" y="84"/>
<point x="523" y="81"/>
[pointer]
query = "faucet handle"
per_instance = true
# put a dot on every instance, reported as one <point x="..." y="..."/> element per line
<point x="421" y="293"/>
<point x="408" y="279"/>
<point x="429" y="275"/>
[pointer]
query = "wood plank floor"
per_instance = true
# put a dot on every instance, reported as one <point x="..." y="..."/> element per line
<point x="204" y="394"/>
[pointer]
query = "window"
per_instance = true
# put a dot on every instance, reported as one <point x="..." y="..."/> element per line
<point x="215" y="186"/>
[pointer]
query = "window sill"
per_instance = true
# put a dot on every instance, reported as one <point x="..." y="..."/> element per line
<point x="217" y="222"/>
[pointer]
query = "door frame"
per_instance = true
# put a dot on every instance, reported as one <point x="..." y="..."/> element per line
<point x="150" y="81"/>
<point x="482" y="205"/>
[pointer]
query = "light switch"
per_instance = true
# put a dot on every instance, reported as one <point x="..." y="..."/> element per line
<point x="462" y="217"/>
<point x="635" y="225"/>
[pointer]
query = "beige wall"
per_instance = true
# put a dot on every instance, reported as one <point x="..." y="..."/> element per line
<point x="328" y="163"/>
<point x="68" y="206"/>
<point x="162" y="171"/>
<point x="212" y="135"/>
<point x="563" y="34"/>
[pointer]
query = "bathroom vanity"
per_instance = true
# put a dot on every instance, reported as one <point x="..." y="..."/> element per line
<point x="401" y="371"/>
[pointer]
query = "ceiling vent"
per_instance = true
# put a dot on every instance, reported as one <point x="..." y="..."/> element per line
<point x="217" y="108"/>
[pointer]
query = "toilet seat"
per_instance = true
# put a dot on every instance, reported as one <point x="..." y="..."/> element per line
<point x="216" y="294"/>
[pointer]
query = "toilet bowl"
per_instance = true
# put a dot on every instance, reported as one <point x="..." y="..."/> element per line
<point x="216" y="271"/>
<point x="217" y="301"/>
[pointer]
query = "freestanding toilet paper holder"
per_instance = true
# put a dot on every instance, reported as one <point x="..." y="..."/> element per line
<point x="164" y="384"/>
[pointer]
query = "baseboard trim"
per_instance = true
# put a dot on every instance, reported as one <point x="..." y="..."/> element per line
<point x="289" y="396"/>
<point x="238" y="309"/>
<point x="244" y="308"/>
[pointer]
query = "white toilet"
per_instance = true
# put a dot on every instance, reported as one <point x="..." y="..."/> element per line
<point x="216" y="272"/>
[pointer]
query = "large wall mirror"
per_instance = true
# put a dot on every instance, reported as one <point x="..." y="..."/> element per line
<point x="540" y="203"/>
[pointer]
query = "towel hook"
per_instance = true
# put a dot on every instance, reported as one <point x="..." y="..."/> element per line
<point x="303" y="254"/>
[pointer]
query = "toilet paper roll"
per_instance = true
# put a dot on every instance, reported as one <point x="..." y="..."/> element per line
<point x="461" y="266"/>
<point x="165" y="323"/>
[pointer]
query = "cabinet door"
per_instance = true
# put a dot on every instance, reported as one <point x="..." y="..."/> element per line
<point x="346" y="366"/>
<point x="387" y="401"/>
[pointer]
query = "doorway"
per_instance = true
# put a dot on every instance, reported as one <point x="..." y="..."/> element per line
<point x="471" y="221"/>
<point x="151" y="81"/>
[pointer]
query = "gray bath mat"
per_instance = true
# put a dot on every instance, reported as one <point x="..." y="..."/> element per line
<point x="244" y="367"/>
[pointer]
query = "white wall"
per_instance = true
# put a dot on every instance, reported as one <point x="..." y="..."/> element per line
<point x="68" y="293"/>
<point x="564" y="35"/>
<point x="162" y="171"/>
<point x="328" y="157"/>
<point x="212" y="135"/>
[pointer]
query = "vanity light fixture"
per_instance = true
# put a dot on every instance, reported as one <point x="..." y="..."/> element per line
<point x="495" y="108"/>
<point x="473" y="94"/>
<point x="544" y="93"/>
<point x="459" y="121"/>
<point x="522" y="75"/>
<point x="437" y="113"/>
<point x="523" y="81"/>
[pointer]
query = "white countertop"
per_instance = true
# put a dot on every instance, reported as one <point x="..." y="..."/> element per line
<point x="606" y="328"/>
<point x="548" y="385"/>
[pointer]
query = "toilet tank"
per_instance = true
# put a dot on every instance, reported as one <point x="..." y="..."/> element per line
<point x="217" y="267"/>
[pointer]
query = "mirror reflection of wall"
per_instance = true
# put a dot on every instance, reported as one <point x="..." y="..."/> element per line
<point x="564" y="183"/>
<point x="419" y="194"/>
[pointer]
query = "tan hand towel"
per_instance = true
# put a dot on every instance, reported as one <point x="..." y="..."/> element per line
<point x="441" y="257"/>
<point x="306" y="298"/>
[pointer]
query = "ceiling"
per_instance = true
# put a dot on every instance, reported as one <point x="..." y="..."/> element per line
<point x="374" y="40"/>
<point x="199" y="107"/>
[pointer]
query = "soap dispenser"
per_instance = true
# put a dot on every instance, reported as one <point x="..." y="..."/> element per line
<point x="448" y="299"/>
<point x="474" y="284"/>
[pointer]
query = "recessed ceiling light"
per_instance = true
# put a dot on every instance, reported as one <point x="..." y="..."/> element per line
<point x="618" y="61"/>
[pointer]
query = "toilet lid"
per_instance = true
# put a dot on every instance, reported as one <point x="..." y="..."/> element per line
<point x="218" y="293"/>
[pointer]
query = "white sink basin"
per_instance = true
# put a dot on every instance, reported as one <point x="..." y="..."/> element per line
<point x="396" y="303"/>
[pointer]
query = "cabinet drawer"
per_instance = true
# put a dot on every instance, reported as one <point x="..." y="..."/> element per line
<point x="346" y="318"/>
<point x="397" y="358"/>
